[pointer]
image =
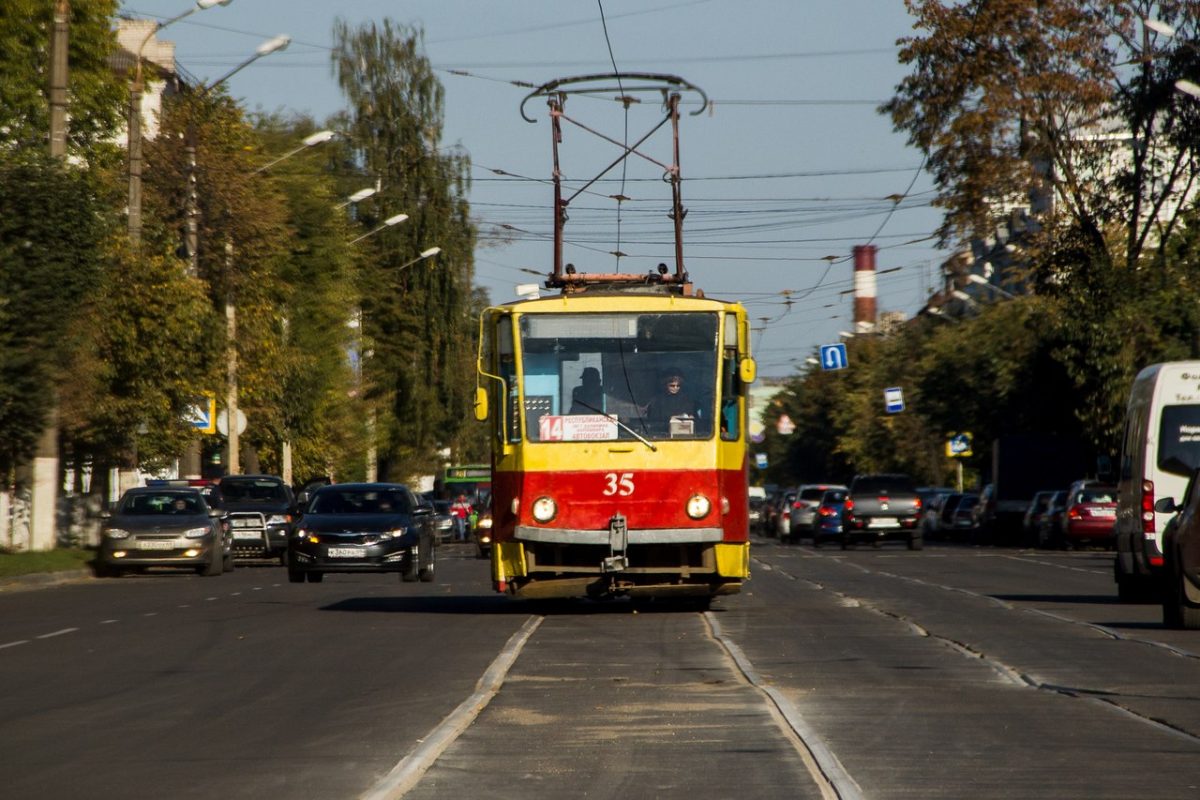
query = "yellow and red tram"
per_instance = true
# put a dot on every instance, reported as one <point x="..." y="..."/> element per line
<point x="618" y="413"/>
<point x="601" y="498"/>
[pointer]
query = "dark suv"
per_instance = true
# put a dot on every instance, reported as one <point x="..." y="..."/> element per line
<point x="258" y="513"/>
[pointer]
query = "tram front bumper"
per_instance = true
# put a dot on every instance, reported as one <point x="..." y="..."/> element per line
<point x="555" y="563"/>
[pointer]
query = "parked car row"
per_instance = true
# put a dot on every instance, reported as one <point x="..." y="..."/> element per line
<point x="1082" y="515"/>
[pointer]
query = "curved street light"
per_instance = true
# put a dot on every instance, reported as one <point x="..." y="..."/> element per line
<point x="312" y="140"/>
<point x="982" y="281"/>
<point x="357" y="197"/>
<point x="430" y="253"/>
<point x="387" y="223"/>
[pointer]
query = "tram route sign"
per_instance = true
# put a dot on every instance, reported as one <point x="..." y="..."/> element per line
<point x="576" y="428"/>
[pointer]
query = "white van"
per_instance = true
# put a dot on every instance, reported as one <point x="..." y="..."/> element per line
<point x="1159" y="452"/>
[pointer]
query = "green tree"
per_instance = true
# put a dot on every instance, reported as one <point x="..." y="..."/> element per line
<point x="242" y="244"/>
<point x="416" y="316"/>
<point x="97" y="94"/>
<point x="316" y="389"/>
<point x="52" y="242"/>
<point x="138" y="363"/>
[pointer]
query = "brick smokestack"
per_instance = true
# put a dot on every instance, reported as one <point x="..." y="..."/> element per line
<point x="864" y="288"/>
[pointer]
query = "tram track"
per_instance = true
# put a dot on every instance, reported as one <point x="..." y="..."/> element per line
<point x="826" y="770"/>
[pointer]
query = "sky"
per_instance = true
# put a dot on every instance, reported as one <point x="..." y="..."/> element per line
<point x="789" y="168"/>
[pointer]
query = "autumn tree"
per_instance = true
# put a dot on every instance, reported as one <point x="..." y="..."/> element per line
<point x="1065" y="108"/>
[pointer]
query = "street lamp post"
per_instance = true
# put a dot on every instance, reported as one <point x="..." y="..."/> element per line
<point x="387" y="223"/>
<point x="982" y="281"/>
<point x="430" y="253"/>
<point x="134" y="127"/>
<point x="357" y="197"/>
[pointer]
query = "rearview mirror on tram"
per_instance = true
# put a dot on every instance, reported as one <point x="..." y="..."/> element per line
<point x="481" y="403"/>
<point x="747" y="370"/>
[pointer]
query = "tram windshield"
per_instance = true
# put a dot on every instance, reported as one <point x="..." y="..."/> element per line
<point x="597" y="376"/>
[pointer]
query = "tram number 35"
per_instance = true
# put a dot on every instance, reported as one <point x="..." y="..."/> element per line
<point x="618" y="484"/>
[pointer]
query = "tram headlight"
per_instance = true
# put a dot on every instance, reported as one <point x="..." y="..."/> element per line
<point x="544" y="509"/>
<point x="698" y="506"/>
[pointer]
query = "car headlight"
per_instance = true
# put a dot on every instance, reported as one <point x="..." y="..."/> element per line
<point x="698" y="506"/>
<point x="544" y="509"/>
<point x="279" y="519"/>
<point x="116" y="533"/>
<point x="485" y="522"/>
<point x="394" y="532"/>
<point x="196" y="533"/>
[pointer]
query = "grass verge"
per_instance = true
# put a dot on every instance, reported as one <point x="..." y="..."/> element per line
<point x="13" y="564"/>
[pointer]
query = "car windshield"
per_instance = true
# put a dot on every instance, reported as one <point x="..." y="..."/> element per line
<point x="834" y="497"/>
<point x="240" y="491"/>
<point x="162" y="503"/>
<point x="1099" y="494"/>
<point x="811" y="494"/>
<point x="967" y="503"/>
<point x="360" y="501"/>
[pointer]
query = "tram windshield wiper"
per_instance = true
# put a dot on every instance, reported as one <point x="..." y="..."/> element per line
<point x="620" y="424"/>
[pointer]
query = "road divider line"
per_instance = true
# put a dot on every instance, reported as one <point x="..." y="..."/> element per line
<point x="827" y="771"/>
<point x="52" y="634"/>
<point x="14" y="644"/>
<point x="409" y="770"/>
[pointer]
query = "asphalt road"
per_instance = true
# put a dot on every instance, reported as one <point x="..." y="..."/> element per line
<point x="949" y="673"/>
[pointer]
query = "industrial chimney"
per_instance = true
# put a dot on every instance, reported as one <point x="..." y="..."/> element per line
<point x="864" y="288"/>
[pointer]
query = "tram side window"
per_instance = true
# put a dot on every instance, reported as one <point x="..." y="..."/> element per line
<point x="731" y="384"/>
<point x="508" y="371"/>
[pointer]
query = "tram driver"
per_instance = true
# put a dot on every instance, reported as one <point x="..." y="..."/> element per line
<point x="672" y="410"/>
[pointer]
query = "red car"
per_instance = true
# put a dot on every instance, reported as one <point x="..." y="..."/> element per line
<point x="1091" y="511"/>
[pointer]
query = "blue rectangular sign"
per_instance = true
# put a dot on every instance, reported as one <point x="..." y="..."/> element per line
<point x="893" y="400"/>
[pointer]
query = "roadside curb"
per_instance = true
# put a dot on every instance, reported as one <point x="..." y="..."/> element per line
<point x="42" y="580"/>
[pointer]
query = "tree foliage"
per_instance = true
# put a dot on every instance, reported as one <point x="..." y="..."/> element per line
<point x="52" y="231"/>
<point x="97" y="94"/>
<point x="416" y="315"/>
<point x="1025" y="101"/>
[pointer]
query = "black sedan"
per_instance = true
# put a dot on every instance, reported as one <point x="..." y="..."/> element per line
<point x="362" y="527"/>
<point x="164" y="527"/>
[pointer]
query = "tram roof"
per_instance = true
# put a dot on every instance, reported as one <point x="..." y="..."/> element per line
<point x="618" y="301"/>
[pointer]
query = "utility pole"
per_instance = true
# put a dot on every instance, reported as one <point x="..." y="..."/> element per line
<point x="43" y="526"/>
<point x="58" y="79"/>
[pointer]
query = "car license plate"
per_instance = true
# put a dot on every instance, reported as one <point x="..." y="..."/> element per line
<point x="883" y="522"/>
<point x="1107" y="513"/>
<point x="343" y="552"/>
<point x="247" y="534"/>
<point x="155" y="545"/>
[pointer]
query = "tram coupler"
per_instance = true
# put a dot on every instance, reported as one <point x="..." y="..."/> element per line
<point x="618" y="540"/>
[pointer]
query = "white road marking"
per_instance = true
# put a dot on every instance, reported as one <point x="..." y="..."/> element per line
<point x="409" y="770"/>
<point x="150" y="614"/>
<point x="14" y="644"/>
<point x="108" y="621"/>
<point x="52" y="634"/>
